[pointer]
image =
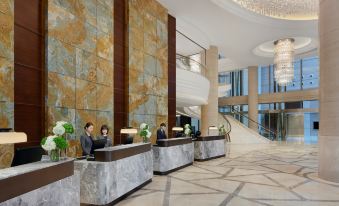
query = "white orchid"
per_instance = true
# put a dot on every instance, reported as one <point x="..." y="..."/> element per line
<point x="187" y="126"/>
<point x="59" y="130"/>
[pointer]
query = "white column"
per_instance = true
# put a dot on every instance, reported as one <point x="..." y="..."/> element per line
<point x="328" y="90"/>
<point x="253" y="97"/>
<point x="209" y="112"/>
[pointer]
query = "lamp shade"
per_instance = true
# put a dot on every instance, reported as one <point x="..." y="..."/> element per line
<point x="213" y="128"/>
<point x="12" y="137"/>
<point x="128" y="131"/>
<point x="179" y="129"/>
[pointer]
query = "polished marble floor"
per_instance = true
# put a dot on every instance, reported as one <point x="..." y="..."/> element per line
<point x="253" y="174"/>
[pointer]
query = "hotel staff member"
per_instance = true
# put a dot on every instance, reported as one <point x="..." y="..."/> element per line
<point x="161" y="133"/>
<point x="86" y="139"/>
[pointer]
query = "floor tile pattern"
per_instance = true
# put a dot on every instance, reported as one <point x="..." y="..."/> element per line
<point x="253" y="174"/>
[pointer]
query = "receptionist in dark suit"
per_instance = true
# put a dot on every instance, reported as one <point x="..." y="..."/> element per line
<point x="86" y="139"/>
<point x="161" y="133"/>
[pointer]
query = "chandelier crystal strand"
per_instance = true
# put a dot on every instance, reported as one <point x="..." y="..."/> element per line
<point x="283" y="61"/>
<point x="283" y="9"/>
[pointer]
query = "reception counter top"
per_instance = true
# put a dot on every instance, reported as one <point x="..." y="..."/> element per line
<point x="40" y="183"/>
<point x="209" y="147"/>
<point x="172" y="154"/>
<point x="116" y="172"/>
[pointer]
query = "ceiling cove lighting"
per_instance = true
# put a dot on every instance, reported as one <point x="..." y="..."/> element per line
<point x="283" y="61"/>
<point x="283" y="9"/>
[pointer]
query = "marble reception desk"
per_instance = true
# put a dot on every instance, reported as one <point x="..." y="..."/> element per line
<point x="209" y="147"/>
<point x="40" y="183"/>
<point x="116" y="172"/>
<point x="172" y="154"/>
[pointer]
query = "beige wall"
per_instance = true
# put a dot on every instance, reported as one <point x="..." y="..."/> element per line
<point x="329" y="90"/>
<point x="311" y="94"/>
<point x="209" y="112"/>
<point x="253" y="97"/>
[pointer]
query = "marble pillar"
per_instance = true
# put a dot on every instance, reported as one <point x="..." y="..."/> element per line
<point x="329" y="94"/>
<point x="253" y="97"/>
<point x="209" y="112"/>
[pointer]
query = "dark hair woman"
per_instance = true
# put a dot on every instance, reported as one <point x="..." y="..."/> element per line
<point x="104" y="135"/>
<point x="86" y="139"/>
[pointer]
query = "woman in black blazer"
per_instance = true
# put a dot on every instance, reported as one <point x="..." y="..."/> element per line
<point x="86" y="139"/>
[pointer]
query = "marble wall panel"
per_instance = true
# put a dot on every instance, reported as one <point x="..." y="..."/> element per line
<point x="6" y="80"/>
<point x="162" y="69"/>
<point x="147" y="60"/>
<point x="104" y="99"/>
<point x="86" y="67"/>
<point x="80" y="47"/>
<point x="85" y="95"/>
<point x="105" y="45"/>
<point x="61" y="90"/>
<point x="6" y="115"/>
<point x="7" y="36"/>
<point x="61" y="57"/>
<point x="104" y="72"/>
<point x="105" y="16"/>
<point x="6" y="155"/>
<point x="6" y="76"/>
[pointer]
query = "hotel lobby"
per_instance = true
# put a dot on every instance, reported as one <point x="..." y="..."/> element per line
<point x="169" y="102"/>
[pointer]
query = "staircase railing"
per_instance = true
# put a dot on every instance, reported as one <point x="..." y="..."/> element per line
<point x="262" y="130"/>
<point x="228" y="128"/>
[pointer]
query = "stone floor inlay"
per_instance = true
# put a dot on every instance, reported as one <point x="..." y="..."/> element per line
<point x="250" y="175"/>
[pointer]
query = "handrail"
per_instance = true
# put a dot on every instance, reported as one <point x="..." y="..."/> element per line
<point x="229" y="125"/>
<point x="274" y="134"/>
<point x="187" y="61"/>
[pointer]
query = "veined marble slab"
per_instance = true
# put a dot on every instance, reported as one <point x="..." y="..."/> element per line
<point x="62" y="192"/>
<point x="166" y="159"/>
<point x="204" y="150"/>
<point x="104" y="182"/>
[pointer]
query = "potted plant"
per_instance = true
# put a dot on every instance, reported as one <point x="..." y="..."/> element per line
<point x="53" y="144"/>
<point x="187" y="130"/>
<point x="144" y="132"/>
<point x="61" y="129"/>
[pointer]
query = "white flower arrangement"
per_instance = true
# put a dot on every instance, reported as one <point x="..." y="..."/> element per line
<point x="59" y="130"/>
<point x="49" y="143"/>
<point x="187" y="130"/>
<point x="144" y="132"/>
<point x="222" y="130"/>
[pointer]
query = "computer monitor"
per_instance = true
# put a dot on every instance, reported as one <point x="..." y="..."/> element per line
<point x="98" y="144"/>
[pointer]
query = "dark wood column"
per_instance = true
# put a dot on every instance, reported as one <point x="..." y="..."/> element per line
<point x="171" y="73"/>
<point x="29" y="70"/>
<point x="120" y="69"/>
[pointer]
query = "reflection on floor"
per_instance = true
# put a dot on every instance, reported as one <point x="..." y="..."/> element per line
<point x="253" y="174"/>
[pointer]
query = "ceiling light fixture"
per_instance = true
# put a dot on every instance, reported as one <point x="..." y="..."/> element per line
<point x="283" y="61"/>
<point x="286" y="9"/>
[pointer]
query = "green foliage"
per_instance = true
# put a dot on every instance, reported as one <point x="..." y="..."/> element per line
<point x="43" y="141"/>
<point x="143" y="133"/>
<point x="68" y="128"/>
<point x="60" y="142"/>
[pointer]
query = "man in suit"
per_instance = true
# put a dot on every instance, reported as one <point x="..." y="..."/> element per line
<point x="161" y="133"/>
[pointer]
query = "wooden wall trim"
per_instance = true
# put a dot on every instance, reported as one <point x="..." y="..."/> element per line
<point x="29" y="70"/>
<point x="120" y="70"/>
<point x="171" y="74"/>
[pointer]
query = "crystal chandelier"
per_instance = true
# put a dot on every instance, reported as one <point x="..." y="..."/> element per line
<point x="283" y="61"/>
<point x="283" y="9"/>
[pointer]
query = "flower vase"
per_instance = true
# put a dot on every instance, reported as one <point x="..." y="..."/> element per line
<point x="54" y="155"/>
<point x="145" y="140"/>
